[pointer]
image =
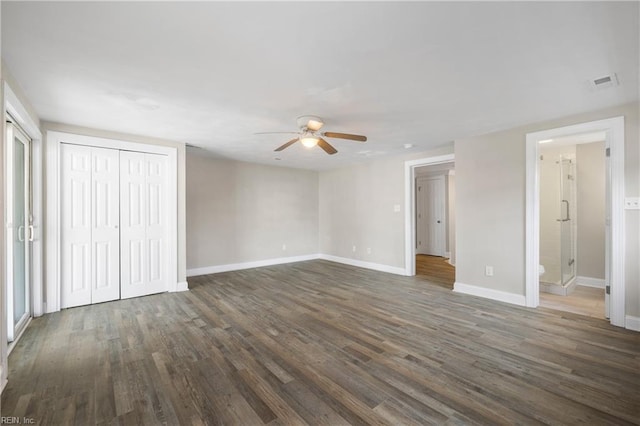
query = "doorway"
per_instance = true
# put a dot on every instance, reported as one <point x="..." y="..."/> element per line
<point x="613" y="129"/>
<point x="573" y="231"/>
<point x="435" y="195"/>
<point x="20" y="231"/>
<point x="429" y="219"/>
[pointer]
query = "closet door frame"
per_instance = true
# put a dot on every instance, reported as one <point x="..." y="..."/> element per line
<point x="53" y="217"/>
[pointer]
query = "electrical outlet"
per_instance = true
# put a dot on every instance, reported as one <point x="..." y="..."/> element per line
<point x="354" y="249"/>
<point x="632" y="203"/>
<point x="368" y="250"/>
<point x="284" y="247"/>
<point x="396" y="208"/>
<point x="488" y="271"/>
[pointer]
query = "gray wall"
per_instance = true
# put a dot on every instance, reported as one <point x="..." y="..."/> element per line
<point x="490" y="209"/>
<point x="356" y="209"/>
<point x="591" y="205"/>
<point x="241" y="212"/>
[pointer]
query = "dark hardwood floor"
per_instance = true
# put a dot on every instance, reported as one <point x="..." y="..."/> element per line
<point x="321" y="343"/>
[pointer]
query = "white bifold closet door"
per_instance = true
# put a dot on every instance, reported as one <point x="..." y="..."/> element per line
<point x="90" y="255"/>
<point x="143" y="215"/>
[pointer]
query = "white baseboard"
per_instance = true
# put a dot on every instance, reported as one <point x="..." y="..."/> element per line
<point x="447" y="254"/>
<point x="362" y="264"/>
<point x="182" y="286"/>
<point x="632" y="323"/>
<point x="278" y="261"/>
<point x="248" y="265"/>
<point x="590" y="282"/>
<point x="450" y="262"/>
<point x="557" y="289"/>
<point x="501" y="296"/>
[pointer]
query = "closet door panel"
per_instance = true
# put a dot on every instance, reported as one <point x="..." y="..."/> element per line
<point x="156" y="222"/>
<point x="106" y="220"/>
<point x="75" y="212"/>
<point x="133" y="175"/>
<point x="143" y="211"/>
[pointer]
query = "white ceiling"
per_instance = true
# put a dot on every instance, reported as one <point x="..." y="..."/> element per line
<point x="212" y="74"/>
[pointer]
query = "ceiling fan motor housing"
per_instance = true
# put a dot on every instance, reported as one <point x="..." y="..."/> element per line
<point x="311" y="123"/>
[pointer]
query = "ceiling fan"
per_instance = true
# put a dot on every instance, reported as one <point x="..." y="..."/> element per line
<point x="309" y="135"/>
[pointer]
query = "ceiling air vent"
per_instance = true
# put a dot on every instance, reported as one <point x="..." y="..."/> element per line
<point x="604" y="82"/>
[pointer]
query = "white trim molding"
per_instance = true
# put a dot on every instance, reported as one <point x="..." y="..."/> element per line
<point x="591" y="282"/>
<point x="632" y="323"/>
<point x="487" y="293"/>
<point x="410" y="208"/>
<point x="363" y="264"/>
<point x="53" y="239"/>
<point x="615" y="139"/>
<point x="194" y="272"/>
<point x="181" y="286"/>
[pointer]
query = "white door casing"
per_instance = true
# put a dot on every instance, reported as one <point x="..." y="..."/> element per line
<point x="90" y="220"/>
<point x="410" y="206"/>
<point x="615" y="270"/>
<point x="143" y="241"/>
<point x="431" y="216"/>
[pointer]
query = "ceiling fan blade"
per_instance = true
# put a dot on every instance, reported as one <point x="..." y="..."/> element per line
<point x="326" y="146"/>
<point x="345" y="136"/>
<point x="286" y="145"/>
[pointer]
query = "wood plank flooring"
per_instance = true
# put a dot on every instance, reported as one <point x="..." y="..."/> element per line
<point x="436" y="269"/>
<point x="583" y="300"/>
<point x="321" y="343"/>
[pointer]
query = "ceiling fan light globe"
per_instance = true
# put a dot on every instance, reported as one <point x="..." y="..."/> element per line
<point x="309" y="141"/>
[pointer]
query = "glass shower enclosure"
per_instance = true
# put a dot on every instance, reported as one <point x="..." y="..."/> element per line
<point x="557" y="223"/>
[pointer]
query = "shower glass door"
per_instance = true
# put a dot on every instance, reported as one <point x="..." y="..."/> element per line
<point x="19" y="231"/>
<point x="567" y="209"/>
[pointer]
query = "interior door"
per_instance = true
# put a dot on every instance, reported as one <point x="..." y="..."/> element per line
<point x="89" y="221"/>
<point x="143" y="189"/>
<point x="430" y="220"/>
<point x="19" y="230"/>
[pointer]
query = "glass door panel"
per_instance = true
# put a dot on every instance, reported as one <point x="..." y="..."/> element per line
<point x="19" y="241"/>
<point x="567" y="261"/>
<point x="18" y="230"/>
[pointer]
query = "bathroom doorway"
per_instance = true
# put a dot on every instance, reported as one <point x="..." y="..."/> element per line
<point x="615" y="288"/>
<point x="573" y="232"/>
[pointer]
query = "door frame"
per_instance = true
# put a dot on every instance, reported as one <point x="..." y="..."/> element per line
<point x="614" y="130"/>
<point x="410" y="207"/>
<point x="23" y="118"/>
<point x="53" y="231"/>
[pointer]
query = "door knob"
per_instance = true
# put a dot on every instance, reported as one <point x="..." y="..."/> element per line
<point x="438" y="221"/>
